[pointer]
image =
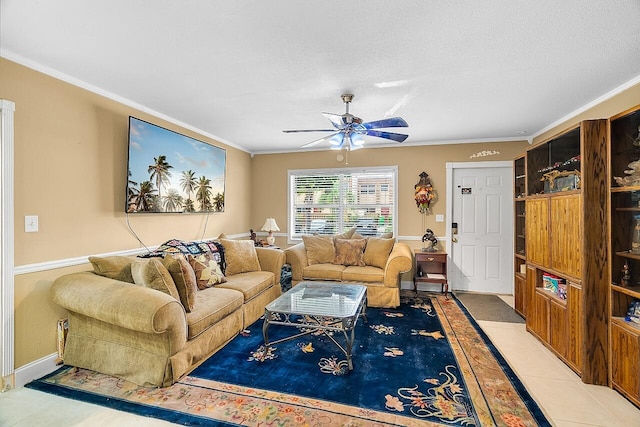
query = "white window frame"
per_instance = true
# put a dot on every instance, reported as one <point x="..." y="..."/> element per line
<point x="291" y="239"/>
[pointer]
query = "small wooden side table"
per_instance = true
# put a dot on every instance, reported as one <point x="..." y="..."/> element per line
<point x="430" y="267"/>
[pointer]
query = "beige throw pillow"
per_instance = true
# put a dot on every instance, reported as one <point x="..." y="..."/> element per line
<point x="350" y="252"/>
<point x="184" y="278"/>
<point x="113" y="267"/>
<point x="240" y="256"/>
<point x="207" y="270"/>
<point x="151" y="273"/>
<point x="347" y="234"/>
<point x="320" y="249"/>
<point x="377" y="251"/>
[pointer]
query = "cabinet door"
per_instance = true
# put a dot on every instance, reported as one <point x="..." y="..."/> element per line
<point x="529" y="292"/>
<point x="558" y="328"/>
<point x="625" y="364"/>
<point x="539" y="320"/>
<point x="565" y="234"/>
<point x="574" y="302"/>
<point x="537" y="231"/>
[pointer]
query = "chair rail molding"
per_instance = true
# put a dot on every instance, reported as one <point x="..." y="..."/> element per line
<point x="7" y="109"/>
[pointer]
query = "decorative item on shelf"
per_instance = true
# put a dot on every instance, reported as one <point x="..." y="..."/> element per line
<point x="424" y="193"/>
<point x="636" y="141"/>
<point x="253" y="236"/>
<point x="633" y="313"/>
<point x="625" y="278"/>
<point x="561" y="181"/>
<point x="270" y="226"/>
<point x="429" y="241"/>
<point x="633" y="175"/>
<point x="635" y="240"/>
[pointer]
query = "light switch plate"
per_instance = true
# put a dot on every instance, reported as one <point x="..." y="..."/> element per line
<point x="439" y="218"/>
<point x="30" y="223"/>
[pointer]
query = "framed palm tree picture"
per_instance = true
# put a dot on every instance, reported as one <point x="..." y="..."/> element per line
<point x="172" y="173"/>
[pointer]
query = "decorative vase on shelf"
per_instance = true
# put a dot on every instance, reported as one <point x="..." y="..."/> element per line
<point x="635" y="240"/>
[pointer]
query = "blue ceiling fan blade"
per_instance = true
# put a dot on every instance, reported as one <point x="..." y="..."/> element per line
<point x="393" y="122"/>
<point x="398" y="137"/>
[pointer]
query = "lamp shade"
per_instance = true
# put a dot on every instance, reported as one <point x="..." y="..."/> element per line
<point x="270" y="225"/>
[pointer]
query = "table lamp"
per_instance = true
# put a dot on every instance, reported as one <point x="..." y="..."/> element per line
<point x="270" y="226"/>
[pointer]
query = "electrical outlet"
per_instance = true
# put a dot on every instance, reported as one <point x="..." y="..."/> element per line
<point x="31" y="223"/>
<point x="439" y="218"/>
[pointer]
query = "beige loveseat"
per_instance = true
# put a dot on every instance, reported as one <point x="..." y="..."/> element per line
<point x="374" y="262"/>
<point x="148" y="337"/>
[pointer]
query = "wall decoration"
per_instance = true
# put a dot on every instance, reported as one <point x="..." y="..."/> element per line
<point x="171" y="172"/>
<point x="484" y="153"/>
<point x="424" y="193"/>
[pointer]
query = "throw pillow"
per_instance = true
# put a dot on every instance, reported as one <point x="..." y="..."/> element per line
<point x="347" y="234"/>
<point x="377" y="251"/>
<point x="350" y="252"/>
<point x="207" y="270"/>
<point x="320" y="249"/>
<point x="357" y="235"/>
<point x="152" y="274"/>
<point x="113" y="267"/>
<point x="240" y="256"/>
<point x="387" y="235"/>
<point x="184" y="278"/>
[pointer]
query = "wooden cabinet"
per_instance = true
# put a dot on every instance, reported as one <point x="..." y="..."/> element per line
<point x="519" y="290"/>
<point x="566" y="240"/>
<point x="520" y="235"/>
<point x="431" y="267"/>
<point x="624" y="148"/>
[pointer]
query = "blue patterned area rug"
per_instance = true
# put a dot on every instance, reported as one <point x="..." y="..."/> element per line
<point x="426" y="363"/>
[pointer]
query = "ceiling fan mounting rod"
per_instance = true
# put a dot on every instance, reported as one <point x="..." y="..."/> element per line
<point x="347" y="98"/>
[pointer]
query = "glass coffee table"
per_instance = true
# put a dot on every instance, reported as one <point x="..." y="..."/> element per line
<point x="318" y="306"/>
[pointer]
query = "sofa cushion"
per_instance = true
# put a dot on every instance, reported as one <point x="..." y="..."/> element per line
<point x="212" y="305"/>
<point x="113" y="267"/>
<point x="250" y="284"/>
<point x="207" y="270"/>
<point x="320" y="249"/>
<point x="323" y="271"/>
<point x="240" y="256"/>
<point x="184" y="278"/>
<point x="377" y="251"/>
<point x="347" y="234"/>
<point x="368" y="274"/>
<point x="151" y="273"/>
<point x="349" y="251"/>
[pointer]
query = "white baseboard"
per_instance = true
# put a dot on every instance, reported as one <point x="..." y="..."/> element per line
<point x="35" y="369"/>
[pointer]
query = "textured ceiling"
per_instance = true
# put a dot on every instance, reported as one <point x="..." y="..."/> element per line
<point x="243" y="71"/>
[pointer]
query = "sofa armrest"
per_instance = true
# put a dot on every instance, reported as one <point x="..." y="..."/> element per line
<point x="400" y="261"/>
<point x="120" y="304"/>
<point x="271" y="260"/>
<point x="296" y="257"/>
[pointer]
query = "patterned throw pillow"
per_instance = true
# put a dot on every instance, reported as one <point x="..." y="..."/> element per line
<point x="377" y="251"/>
<point x="320" y="249"/>
<point x="184" y="278"/>
<point x="350" y="252"/>
<point x="207" y="270"/>
<point x="151" y="273"/>
<point x="240" y="256"/>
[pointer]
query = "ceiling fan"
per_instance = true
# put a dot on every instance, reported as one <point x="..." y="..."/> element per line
<point x="348" y="130"/>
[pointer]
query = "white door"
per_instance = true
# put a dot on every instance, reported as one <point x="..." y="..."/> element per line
<point x="481" y="251"/>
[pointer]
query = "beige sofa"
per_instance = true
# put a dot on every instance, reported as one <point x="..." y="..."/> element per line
<point x="146" y="336"/>
<point x="379" y="268"/>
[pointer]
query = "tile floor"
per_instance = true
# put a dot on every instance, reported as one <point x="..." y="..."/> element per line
<point x="564" y="398"/>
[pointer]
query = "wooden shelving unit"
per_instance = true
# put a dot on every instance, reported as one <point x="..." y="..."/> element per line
<point x="624" y="351"/>
<point x="520" y="237"/>
<point x="564" y="174"/>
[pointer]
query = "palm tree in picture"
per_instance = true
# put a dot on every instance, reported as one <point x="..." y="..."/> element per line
<point x="146" y="197"/>
<point x="132" y="194"/>
<point x="203" y="193"/>
<point x="160" y="172"/>
<point x="172" y="201"/>
<point x="188" y="205"/>
<point x="218" y="202"/>
<point x="188" y="183"/>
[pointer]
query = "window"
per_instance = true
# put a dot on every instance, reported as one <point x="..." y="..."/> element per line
<point x="331" y="201"/>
